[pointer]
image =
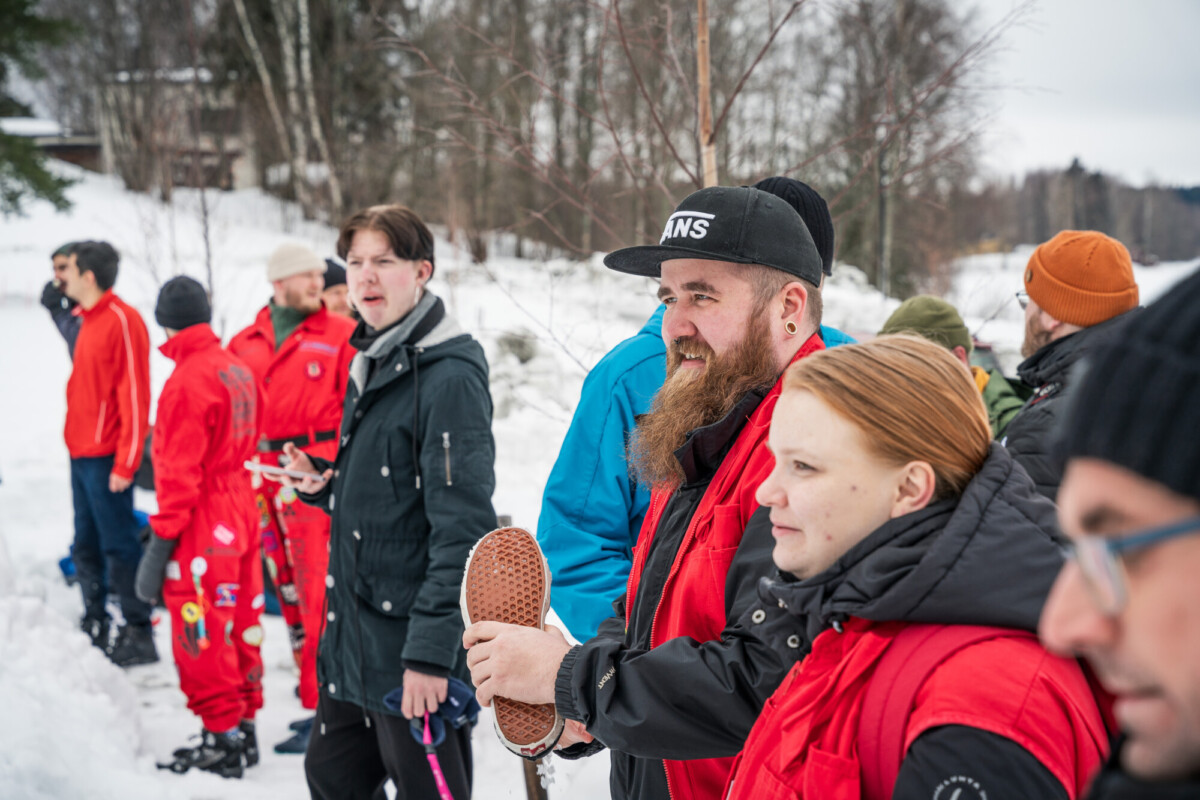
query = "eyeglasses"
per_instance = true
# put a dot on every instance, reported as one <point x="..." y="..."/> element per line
<point x="1099" y="560"/>
<point x="1023" y="299"/>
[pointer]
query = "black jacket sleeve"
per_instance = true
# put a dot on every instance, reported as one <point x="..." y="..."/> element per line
<point x="458" y="456"/>
<point x="683" y="699"/>
<point x="319" y="498"/>
<point x="969" y="763"/>
<point x="614" y="626"/>
<point x="1029" y="438"/>
<point x="60" y="307"/>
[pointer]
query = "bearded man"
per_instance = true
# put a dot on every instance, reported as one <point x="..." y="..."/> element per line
<point x="1079" y="292"/>
<point x="672" y="682"/>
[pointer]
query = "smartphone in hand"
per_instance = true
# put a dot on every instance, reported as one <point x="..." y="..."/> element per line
<point x="267" y="469"/>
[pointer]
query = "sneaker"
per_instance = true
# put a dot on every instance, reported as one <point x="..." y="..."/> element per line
<point x="221" y="753"/>
<point x="97" y="631"/>
<point x="507" y="579"/>
<point x="134" y="645"/>
<point x="250" y="741"/>
<point x="297" y="742"/>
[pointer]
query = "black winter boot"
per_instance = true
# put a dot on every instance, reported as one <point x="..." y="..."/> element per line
<point x="97" y="631"/>
<point x="246" y="726"/>
<point x="134" y="645"/>
<point x="221" y="753"/>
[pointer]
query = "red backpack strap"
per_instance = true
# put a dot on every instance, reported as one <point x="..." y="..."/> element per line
<point x="904" y="667"/>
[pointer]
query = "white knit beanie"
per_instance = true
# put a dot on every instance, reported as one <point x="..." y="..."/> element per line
<point x="291" y="259"/>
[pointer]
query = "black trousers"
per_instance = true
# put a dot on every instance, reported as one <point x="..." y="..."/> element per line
<point x="348" y="759"/>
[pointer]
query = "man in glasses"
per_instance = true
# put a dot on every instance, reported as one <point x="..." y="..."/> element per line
<point x="1079" y="287"/>
<point x="1128" y="599"/>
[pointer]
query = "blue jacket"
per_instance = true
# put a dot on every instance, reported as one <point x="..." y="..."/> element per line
<point x="592" y="509"/>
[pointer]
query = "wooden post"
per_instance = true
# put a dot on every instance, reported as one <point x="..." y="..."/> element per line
<point x="708" y="147"/>
<point x="533" y="784"/>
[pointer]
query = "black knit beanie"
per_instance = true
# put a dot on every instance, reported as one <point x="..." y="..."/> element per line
<point x="181" y="303"/>
<point x="335" y="273"/>
<point x="1138" y="402"/>
<point x="811" y="207"/>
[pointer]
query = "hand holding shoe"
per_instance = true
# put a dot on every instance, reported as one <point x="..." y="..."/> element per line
<point x="514" y="661"/>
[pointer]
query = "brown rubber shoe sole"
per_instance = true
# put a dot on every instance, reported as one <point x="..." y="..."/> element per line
<point x="507" y="580"/>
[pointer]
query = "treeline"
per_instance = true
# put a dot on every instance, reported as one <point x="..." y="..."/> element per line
<point x="569" y="124"/>
<point x="1156" y="223"/>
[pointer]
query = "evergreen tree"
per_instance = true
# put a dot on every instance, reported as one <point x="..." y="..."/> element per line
<point x="23" y="175"/>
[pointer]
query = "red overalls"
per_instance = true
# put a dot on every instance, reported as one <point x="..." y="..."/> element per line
<point x="208" y="424"/>
<point x="305" y="383"/>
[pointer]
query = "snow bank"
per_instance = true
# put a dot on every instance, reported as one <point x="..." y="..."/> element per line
<point x="70" y="717"/>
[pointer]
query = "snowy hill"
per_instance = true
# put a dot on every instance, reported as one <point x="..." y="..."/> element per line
<point x="77" y="726"/>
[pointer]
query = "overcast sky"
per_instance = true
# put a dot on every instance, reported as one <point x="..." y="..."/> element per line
<point x="1114" y="82"/>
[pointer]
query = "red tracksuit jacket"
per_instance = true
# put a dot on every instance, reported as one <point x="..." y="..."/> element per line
<point x="305" y="379"/>
<point x="208" y="423"/>
<point x="108" y="394"/>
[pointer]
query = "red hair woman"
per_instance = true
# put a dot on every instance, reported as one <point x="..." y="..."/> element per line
<point x="914" y="560"/>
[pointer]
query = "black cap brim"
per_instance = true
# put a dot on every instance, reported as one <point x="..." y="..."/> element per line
<point x="646" y="260"/>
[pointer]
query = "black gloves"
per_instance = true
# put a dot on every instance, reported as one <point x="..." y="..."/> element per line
<point x="151" y="571"/>
<point x="53" y="298"/>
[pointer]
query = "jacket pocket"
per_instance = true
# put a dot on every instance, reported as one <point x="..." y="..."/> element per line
<point x="831" y="777"/>
<point x="386" y="596"/>
<point x="457" y="459"/>
<point x="762" y="785"/>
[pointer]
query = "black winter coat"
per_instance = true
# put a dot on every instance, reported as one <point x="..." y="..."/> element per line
<point x="1030" y="436"/>
<point x="410" y="495"/>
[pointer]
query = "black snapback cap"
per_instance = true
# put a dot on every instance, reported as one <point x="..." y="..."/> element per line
<point x="724" y="223"/>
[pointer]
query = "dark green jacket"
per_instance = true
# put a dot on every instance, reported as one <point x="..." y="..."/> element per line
<point x="1000" y="398"/>
<point x="410" y="495"/>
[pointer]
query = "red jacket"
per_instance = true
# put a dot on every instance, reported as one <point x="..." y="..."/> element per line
<point x="305" y="379"/>
<point x="108" y="394"/>
<point x="693" y="599"/>
<point x="208" y="423"/>
<point x="807" y="741"/>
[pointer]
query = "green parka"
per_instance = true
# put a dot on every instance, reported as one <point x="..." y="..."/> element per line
<point x="410" y="495"/>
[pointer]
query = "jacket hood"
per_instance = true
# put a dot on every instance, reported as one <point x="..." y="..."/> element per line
<point x="446" y="339"/>
<point x="1054" y="361"/>
<point x="987" y="558"/>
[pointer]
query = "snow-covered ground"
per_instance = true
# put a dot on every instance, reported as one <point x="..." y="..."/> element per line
<point x="72" y="724"/>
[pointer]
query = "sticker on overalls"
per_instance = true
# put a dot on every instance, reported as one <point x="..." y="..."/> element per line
<point x="226" y="595"/>
<point x="191" y="613"/>
<point x="223" y="536"/>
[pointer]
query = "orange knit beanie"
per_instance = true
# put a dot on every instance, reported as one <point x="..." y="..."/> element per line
<point x="1082" y="278"/>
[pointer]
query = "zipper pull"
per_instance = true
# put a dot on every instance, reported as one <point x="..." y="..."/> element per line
<point x="446" y="448"/>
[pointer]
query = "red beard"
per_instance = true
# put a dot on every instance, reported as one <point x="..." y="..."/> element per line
<point x="688" y="401"/>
